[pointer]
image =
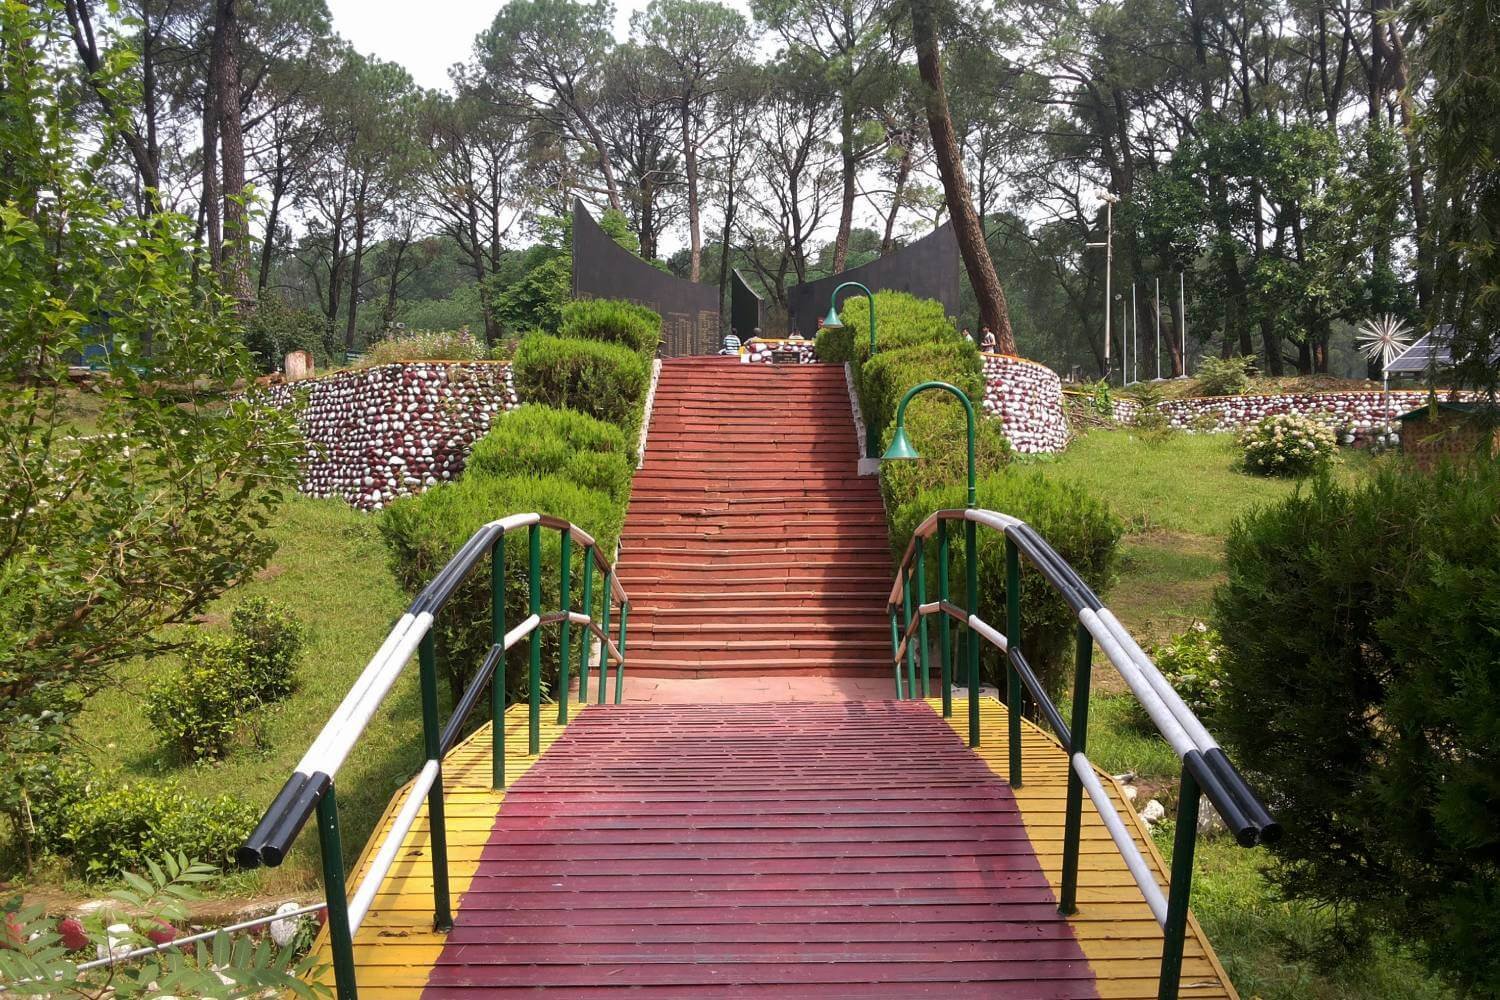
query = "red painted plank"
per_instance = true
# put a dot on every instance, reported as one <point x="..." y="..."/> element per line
<point x="844" y="850"/>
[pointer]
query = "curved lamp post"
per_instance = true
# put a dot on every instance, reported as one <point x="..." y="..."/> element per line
<point x="832" y="321"/>
<point x="901" y="449"/>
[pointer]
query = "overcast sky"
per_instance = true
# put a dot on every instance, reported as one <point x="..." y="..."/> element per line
<point x="430" y="35"/>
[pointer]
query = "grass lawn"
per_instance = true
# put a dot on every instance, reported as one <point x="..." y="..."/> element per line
<point x="1178" y="497"/>
<point x="331" y="569"/>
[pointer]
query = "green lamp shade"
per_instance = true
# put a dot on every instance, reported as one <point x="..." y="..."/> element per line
<point x="900" y="447"/>
<point x="832" y="321"/>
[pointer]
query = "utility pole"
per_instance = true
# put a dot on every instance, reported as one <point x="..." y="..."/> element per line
<point x="1109" y="260"/>
<point x="1182" y="306"/>
<point x="1135" y="317"/>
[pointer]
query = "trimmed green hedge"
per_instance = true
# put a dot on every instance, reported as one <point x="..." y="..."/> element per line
<point x="603" y="380"/>
<point x="613" y="321"/>
<point x="1082" y="530"/>
<point x="536" y="441"/>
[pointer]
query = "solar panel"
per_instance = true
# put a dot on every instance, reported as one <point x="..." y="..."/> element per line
<point x="1434" y="349"/>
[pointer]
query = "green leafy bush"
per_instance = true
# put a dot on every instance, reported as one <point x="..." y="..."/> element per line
<point x="270" y="637"/>
<point x="43" y="778"/>
<point x="613" y="321"/>
<point x="119" y="828"/>
<point x="917" y="343"/>
<point x="538" y="441"/>
<point x="1193" y="663"/>
<point x="1224" y="376"/>
<point x="1079" y="527"/>
<point x="885" y="378"/>
<point x="195" y="710"/>
<point x="1286" y="444"/>
<point x="426" y="345"/>
<point x="423" y="532"/>
<point x="903" y="321"/>
<point x="835" y="346"/>
<point x="1362" y="694"/>
<point x="606" y="381"/>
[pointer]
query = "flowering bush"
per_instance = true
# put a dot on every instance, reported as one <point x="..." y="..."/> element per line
<point x="427" y="345"/>
<point x="1288" y="445"/>
<point x="1192" y="664"/>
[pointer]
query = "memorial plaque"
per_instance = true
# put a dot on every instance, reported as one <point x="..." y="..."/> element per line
<point x="746" y="309"/>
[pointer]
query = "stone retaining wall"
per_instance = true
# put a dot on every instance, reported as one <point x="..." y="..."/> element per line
<point x="375" y="434"/>
<point x="1027" y="398"/>
<point x="1359" y="412"/>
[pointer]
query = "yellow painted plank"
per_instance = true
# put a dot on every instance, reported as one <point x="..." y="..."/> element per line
<point x="402" y="912"/>
<point x="1109" y="902"/>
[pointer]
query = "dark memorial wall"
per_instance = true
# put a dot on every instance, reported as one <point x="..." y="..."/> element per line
<point x="746" y="310"/>
<point x="928" y="269"/>
<point x="602" y="269"/>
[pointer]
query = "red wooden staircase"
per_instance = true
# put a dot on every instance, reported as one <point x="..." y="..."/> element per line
<point x="752" y="546"/>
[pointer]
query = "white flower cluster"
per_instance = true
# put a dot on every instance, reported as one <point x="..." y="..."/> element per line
<point x="1288" y="445"/>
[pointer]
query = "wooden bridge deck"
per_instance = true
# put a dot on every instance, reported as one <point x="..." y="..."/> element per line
<point x="844" y="850"/>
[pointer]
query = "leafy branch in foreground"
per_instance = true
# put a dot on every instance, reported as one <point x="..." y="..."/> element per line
<point x="40" y="956"/>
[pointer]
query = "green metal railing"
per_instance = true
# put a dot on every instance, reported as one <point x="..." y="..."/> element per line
<point x="1205" y="768"/>
<point x="311" y="788"/>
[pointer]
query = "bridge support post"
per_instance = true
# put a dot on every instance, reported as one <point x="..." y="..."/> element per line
<point x="971" y="573"/>
<point x="911" y="656"/>
<point x="588" y="637"/>
<point x="1073" y="818"/>
<point x="943" y="623"/>
<point x="340" y="940"/>
<point x="565" y="599"/>
<point x="923" y="656"/>
<point x="620" y="665"/>
<point x="497" y="681"/>
<point x="534" y="691"/>
<point x="608" y="601"/>
<point x="1013" y="694"/>
<point x="895" y="649"/>
<point x="1184" y="839"/>
<point x="442" y="909"/>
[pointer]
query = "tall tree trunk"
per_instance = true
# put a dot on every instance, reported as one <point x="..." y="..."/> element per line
<point x="966" y="225"/>
<point x="357" y="266"/>
<point x="690" y="168"/>
<point x="1174" y="339"/>
<point x="393" y="285"/>
<point x="846" y="206"/>
<point x="647" y="230"/>
<point x="279" y="183"/>
<point x="903" y="173"/>
<point x="210" y="204"/>
<point x="724" y="258"/>
<point x="226" y="75"/>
